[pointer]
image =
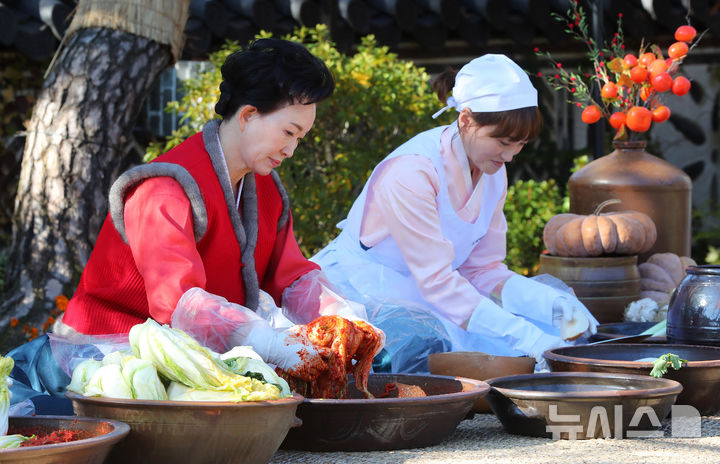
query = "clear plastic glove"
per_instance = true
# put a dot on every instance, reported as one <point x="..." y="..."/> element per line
<point x="211" y="319"/>
<point x="288" y="349"/>
<point x="312" y="295"/>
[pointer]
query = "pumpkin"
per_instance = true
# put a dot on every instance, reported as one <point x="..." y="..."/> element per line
<point x="661" y="274"/>
<point x="618" y="232"/>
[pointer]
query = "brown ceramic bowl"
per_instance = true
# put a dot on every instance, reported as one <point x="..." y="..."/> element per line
<point x="700" y="378"/>
<point x="360" y="424"/>
<point x="194" y="431"/>
<point x="479" y="366"/>
<point x="104" y="435"/>
<point x="579" y="405"/>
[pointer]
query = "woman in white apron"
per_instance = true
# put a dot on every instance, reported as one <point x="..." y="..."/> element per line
<point x="424" y="243"/>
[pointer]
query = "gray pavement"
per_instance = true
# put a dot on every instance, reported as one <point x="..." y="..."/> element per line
<point x="483" y="440"/>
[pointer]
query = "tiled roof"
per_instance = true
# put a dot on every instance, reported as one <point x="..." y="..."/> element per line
<point x="427" y="26"/>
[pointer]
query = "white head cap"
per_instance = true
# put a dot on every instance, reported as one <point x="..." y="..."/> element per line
<point x="491" y="83"/>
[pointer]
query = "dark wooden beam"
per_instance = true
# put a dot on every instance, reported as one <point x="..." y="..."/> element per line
<point x="260" y="12"/>
<point x="447" y="10"/>
<point x="213" y="13"/>
<point x="8" y="25"/>
<point x="35" y="40"/>
<point x="304" y="12"/>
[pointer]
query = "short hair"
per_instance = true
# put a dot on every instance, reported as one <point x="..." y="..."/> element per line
<point x="521" y="124"/>
<point x="270" y="74"/>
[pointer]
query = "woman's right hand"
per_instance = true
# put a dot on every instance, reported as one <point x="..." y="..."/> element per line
<point x="290" y="350"/>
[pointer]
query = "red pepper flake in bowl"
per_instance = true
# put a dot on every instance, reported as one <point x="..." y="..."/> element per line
<point x="44" y="436"/>
<point x="402" y="390"/>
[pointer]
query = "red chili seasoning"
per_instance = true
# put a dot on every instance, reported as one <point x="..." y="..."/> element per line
<point x="45" y="436"/>
<point x="389" y="388"/>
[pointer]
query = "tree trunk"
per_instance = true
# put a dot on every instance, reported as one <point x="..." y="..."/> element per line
<point x="76" y="145"/>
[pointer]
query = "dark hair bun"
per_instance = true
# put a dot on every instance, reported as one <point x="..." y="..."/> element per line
<point x="272" y="73"/>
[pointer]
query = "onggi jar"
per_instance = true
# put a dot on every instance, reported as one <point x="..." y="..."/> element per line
<point x="694" y="310"/>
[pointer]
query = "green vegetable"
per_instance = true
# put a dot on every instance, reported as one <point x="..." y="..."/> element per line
<point x="658" y="329"/>
<point x="118" y="375"/>
<point x="6" y="366"/>
<point x="12" y="441"/>
<point x="109" y="382"/>
<point x="660" y="365"/>
<point x="180" y="358"/>
<point x="143" y="379"/>
<point x="179" y="392"/>
<point x="245" y="361"/>
<point x="82" y="374"/>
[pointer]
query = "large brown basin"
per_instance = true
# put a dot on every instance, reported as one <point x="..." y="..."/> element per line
<point x="579" y="405"/>
<point x="194" y="431"/>
<point x="359" y="424"/>
<point x="700" y="377"/>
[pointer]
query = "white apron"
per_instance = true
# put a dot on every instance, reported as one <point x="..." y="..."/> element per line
<point x="380" y="272"/>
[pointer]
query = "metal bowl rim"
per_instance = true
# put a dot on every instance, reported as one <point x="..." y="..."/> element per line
<point x="480" y="387"/>
<point x="669" y="387"/>
<point x="121" y="402"/>
<point x="554" y="355"/>
<point x="119" y="431"/>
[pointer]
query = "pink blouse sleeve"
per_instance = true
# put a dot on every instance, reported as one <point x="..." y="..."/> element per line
<point x="159" y="229"/>
<point x="405" y="197"/>
<point x="484" y="268"/>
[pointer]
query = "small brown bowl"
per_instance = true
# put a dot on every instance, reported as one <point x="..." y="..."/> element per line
<point x="581" y="405"/>
<point x="479" y="366"/>
<point x="700" y="377"/>
<point x="104" y="435"/>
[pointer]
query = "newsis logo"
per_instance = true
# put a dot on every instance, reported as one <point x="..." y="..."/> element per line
<point x="685" y="422"/>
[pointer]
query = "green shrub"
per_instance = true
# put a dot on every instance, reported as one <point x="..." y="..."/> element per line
<point x="379" y="102"/>
<point x="529" y="206"/>
<point x="706" y="234"/>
